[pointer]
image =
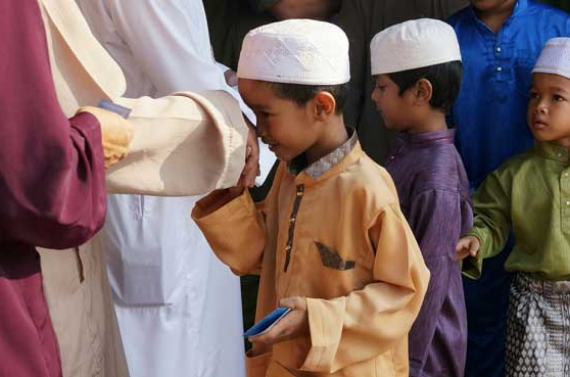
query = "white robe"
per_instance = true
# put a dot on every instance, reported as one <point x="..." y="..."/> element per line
<point x="178" y="306"/>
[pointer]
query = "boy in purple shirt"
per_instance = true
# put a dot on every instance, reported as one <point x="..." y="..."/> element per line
<point x="417" y="67"/>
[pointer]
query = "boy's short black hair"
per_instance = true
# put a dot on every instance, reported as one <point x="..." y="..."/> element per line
<point x="301" y="94"/>
<point x="445" y="79"/>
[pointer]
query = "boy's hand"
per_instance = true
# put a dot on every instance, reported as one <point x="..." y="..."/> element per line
<point x="467" y="246"/>
<point x="293" y="325"/>
<point x="251" y="169"/>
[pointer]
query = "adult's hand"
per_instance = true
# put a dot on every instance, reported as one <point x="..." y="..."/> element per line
<point x="116" y="134"/>
<point x="315" y="9"/>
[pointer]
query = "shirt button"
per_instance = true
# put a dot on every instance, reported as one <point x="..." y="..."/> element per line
<point x="392" y="157"/>
<point x="292" y="220"/>
<point x="499" y="69"/>
<point x="498" y="49"/>
<point x="566" y="174"/>
<point x="559" y="154"/>
<point x="288" y="248"/>
<point x="568" y="203"/>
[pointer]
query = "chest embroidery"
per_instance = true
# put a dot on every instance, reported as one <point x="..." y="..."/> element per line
<point x="292" y="221"/>
<point x="332" y="259"/>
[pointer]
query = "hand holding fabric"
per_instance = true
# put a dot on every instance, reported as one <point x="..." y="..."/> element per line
<point x="293" y="325"/>
<point x="116" y="134"/>
<point x="467" y="246"/>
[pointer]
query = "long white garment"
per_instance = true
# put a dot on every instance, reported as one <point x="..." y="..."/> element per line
<point x="178" y="307"/>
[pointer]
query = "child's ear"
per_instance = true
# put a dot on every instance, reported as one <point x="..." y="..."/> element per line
<point x="423" y="91"/>
<point x="325" y="105"/>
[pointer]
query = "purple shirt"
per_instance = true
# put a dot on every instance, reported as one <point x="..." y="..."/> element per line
<point x="434" y="196"/>
<point x="52" y="188"/>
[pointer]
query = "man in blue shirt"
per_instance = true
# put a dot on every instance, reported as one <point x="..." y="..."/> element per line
<point x="500" y="42"/>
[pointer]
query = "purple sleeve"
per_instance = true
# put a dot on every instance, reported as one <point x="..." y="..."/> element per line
<point x="52" y="191"/>
<point x="436" y="220"/>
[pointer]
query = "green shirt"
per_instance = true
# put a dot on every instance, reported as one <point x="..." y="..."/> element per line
<point x="531" y="192"/>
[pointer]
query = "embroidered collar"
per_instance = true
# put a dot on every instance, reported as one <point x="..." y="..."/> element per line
<point x="325" y="163"/>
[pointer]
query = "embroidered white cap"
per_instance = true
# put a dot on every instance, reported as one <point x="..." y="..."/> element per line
<point x="296" y="52"/>
<point x="413" y="44"/>
<point x="554" y="58"/>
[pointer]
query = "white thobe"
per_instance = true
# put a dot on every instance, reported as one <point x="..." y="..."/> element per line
<point x="178" y="307"/>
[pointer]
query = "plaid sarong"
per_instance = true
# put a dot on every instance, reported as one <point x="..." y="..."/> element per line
<point x="538" y="328"/>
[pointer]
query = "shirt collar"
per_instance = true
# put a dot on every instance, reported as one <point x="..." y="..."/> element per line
<point x="427" y="138"/>
<point x="325" y="163"/>
<point x="552" y="151"/>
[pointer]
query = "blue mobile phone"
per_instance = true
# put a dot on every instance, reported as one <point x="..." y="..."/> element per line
<point x="117" y="109"/>
<point x="268" y="322"/>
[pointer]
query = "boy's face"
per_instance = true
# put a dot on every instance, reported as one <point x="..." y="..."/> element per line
<point x="492" y="5"/>
<point x="549" y="108"/>
<point x="283" y="125"/>
<point x="393" y="108"/>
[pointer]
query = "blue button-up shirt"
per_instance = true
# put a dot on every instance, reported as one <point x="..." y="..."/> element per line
<point x="490" y="113"/>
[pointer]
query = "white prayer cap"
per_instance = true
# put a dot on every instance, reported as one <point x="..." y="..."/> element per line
<point x="296" y="52"/>
<point x="413" y="44"/>
<point x="554" y="58"/>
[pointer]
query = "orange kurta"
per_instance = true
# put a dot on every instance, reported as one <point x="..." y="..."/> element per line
<point x="341" y="241"/>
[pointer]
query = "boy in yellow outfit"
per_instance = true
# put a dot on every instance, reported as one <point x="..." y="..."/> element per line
<point x="330" y="240"/>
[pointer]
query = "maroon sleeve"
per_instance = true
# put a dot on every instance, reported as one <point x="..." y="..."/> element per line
<point x="52" y="191"/>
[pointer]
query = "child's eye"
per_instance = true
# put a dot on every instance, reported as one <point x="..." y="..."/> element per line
<point x="534" y="95"/>
<point x="558" y="98"/>
<point x="380" y="87"/>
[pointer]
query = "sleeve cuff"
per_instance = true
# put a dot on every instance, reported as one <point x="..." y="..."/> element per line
<point x="232" y="228"/>
<point x="326" y="318"/>
<point x="472" y="267"/>
<point x="219" y="205"/>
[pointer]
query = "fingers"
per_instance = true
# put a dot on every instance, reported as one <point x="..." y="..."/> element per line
<point x="271" y="337"/>
<point x="474" y="248"/>
<point x="251" y="169"/>
<point x="116" y="134"/>
<point x="467" y="246"/>
<point x="293" y="303"/>
<point x="461" y="255"/>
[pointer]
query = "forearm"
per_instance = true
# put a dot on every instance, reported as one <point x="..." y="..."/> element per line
<point x="184" y="145"/>
<point x="234" y="229"/>
<point x="372" y="320"/>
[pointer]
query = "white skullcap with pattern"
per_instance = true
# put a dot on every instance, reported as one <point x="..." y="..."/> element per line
<point x="304" y="52"/>
<point x="554" y="58"/>
<point x="413" y="44"/>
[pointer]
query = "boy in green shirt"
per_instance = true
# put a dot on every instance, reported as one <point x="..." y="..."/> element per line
<point x="531" y="193"/>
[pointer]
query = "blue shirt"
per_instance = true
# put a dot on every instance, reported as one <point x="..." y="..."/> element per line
<point x="490" y="112"/>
